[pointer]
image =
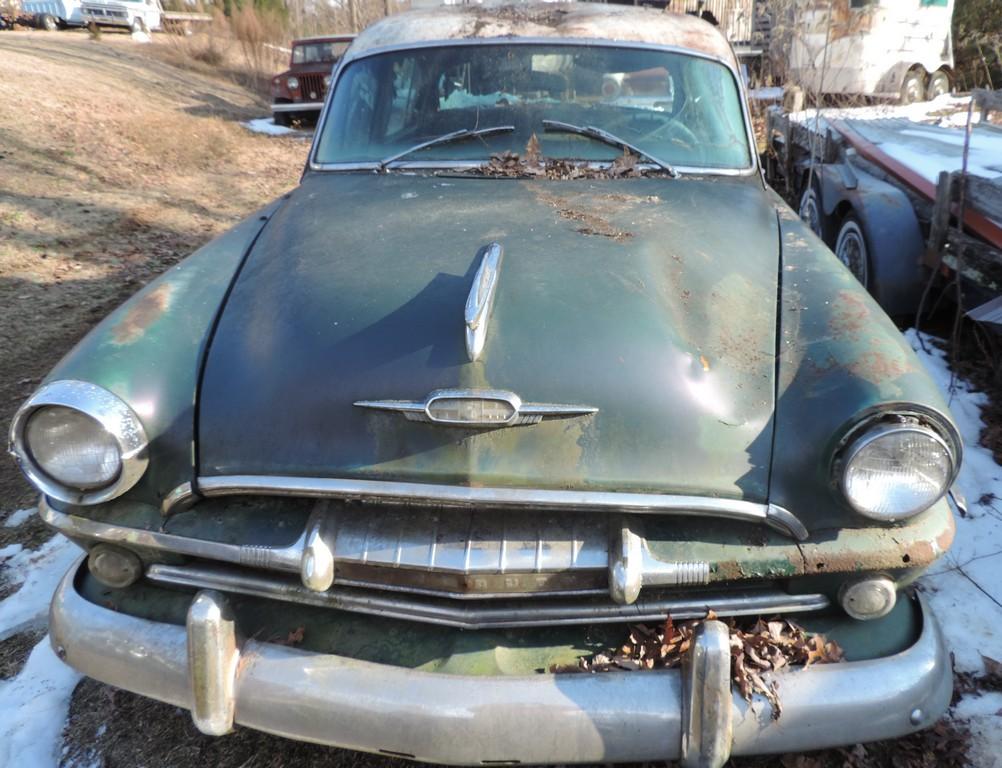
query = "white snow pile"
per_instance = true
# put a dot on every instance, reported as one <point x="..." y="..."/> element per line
<point x="18" y="518"/>
<point x="947" y="111"/>
<point x="35" y="703"/>
<point x="266" y="125"/>
<point x="141" y="37"/>
<point x="965" y="587"/>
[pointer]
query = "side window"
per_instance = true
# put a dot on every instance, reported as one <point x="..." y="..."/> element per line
<point x="942" y="3"/>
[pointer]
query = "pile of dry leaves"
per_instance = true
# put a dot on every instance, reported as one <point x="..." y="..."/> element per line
<point x="532" y="164"/>
<point x="764" y="646"/>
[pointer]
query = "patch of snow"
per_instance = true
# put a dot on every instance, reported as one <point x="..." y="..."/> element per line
<point x="36" y="573"/>
<point x="771" y="93"/>
<point x="18" y="518"/>
<point x="33" y="709"/>
<point x="34" y="705"/>
<point x="965" y="587"/>
<point x="266" y="125"/>
<point x="940" y="111"/>
<point x="141" y="37"/>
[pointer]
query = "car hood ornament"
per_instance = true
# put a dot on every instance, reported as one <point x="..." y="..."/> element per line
<point x="477" y="408"/>
<point x="481" y="300"/>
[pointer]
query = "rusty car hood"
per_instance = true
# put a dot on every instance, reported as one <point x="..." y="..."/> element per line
<point x="652" y="300"/>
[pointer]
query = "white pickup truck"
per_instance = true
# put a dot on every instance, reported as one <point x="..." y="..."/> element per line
<point x="136" y="15"/>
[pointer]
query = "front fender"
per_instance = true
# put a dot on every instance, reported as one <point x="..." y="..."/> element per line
<point x="839" y="358"/>
<point x="892" y="232"/>
<point x="149" y="350"/>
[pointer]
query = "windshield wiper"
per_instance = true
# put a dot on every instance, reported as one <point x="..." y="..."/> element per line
<point x="462" y="133"/>
<point x="556" y="126"/>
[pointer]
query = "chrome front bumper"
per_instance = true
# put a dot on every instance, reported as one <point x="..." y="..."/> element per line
<point x="300" y="106"/>
<point x="687" y="713"/>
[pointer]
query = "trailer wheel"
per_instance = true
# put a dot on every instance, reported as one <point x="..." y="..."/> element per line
<point x="810" y="211"/>
<point x="939" y="85"/>
<point x="850" y="247"/>
<point x="912" y="87"/>
<point x="48" y="22"/>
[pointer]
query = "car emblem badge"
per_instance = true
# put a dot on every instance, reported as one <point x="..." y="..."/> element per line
<point x="481" y="300"/>
<point x="477" y="408"/>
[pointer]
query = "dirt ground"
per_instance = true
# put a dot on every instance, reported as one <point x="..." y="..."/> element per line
<point x="114" y="164"/>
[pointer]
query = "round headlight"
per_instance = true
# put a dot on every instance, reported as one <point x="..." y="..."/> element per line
<point x="72" y="448"/>
<point x="292" y="82"/>
<point x="894" y="471"/>
<point x="79" y="443"/>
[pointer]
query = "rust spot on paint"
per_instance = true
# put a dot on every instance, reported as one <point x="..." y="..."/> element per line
<point x="850" y="315"/>
<point x="876" y="366"/>
<point x="143" y="312"/>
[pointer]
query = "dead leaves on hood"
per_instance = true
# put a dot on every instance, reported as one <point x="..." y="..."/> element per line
<point x="765" y="646"/>
<point x="532" y="164"/>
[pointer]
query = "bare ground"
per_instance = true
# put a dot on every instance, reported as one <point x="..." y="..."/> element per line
<point x="116" y="162"/>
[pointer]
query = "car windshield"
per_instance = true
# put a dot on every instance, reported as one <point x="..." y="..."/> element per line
<point x="684" y="109"/>
<point x="318" y="53"/>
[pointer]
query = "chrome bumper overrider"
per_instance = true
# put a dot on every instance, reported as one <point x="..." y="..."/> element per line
<point x="691" y="713"/>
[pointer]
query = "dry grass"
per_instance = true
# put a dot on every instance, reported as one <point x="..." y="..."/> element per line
<point x="15" y="650"/>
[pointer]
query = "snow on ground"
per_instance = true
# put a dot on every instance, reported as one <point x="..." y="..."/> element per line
<point x="35" y="703"/>
<point x="18" y="518"/>
<point x="965" y="587"/>
<point x="267" y="126"/>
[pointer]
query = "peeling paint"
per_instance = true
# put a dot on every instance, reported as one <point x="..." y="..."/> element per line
<point x="143" y="313"/>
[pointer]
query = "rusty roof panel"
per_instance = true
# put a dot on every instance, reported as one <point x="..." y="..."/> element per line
<point x="570" y="21"/>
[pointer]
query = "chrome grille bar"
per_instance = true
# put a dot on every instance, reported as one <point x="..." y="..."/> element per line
<point x="491" y="615"/>
<point x="434" y="495"/>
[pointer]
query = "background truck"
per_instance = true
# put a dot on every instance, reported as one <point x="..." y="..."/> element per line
<point x="135" y="15"/>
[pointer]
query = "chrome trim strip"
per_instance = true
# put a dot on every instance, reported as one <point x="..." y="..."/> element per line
<point x="305" y="106"/>
<point x="480" y="302"/>
<point x="521" y="413"/>
<point x="494" y="615"/>
<point x="104" y="407"/>
<point x="348" y="58"/>
<point x="469" y="719"/>
<point x="538" y="498"/>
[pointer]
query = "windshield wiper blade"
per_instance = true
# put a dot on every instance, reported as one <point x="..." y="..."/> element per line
<point x="556" y="126"/>
<point x="462" y="133"/>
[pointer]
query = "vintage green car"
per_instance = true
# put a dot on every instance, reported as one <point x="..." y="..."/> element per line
<point x="530" y="353"/>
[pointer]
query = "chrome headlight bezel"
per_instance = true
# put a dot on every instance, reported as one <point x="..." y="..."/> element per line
<point x="108" y="410"/>
<point x="929" y="424"/>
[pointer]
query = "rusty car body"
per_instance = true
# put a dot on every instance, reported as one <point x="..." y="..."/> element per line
<point x="299" y="92"/>
<point x="482" y="389"/>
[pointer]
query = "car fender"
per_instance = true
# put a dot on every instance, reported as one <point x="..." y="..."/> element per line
<point x="148" y="352"/>
<point x="893" y="235"/>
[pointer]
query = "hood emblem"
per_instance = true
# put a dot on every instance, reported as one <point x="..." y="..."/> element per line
<point x="481" y="300"/>
<point x="477" y="408"/>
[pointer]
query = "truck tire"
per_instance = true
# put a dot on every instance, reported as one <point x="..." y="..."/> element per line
<point x="939" y="85"/>
<point x="912" y="87"/>
<point x="282" y="118"/>
<point x="851" y="249"/>
<point x="810" y="211"/>
<point x="48" y="22"/>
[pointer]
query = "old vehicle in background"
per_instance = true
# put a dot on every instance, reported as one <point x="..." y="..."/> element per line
<point x="298" y="93"/>
<point x="491" y="384"/>
<point x="134" y="15"/>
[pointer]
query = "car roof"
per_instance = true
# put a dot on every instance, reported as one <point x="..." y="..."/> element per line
<point x="324" y="39"/>
<point x="556" y="20"/>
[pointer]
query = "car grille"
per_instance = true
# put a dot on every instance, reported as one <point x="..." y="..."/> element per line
<point x="311" y="87"/>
